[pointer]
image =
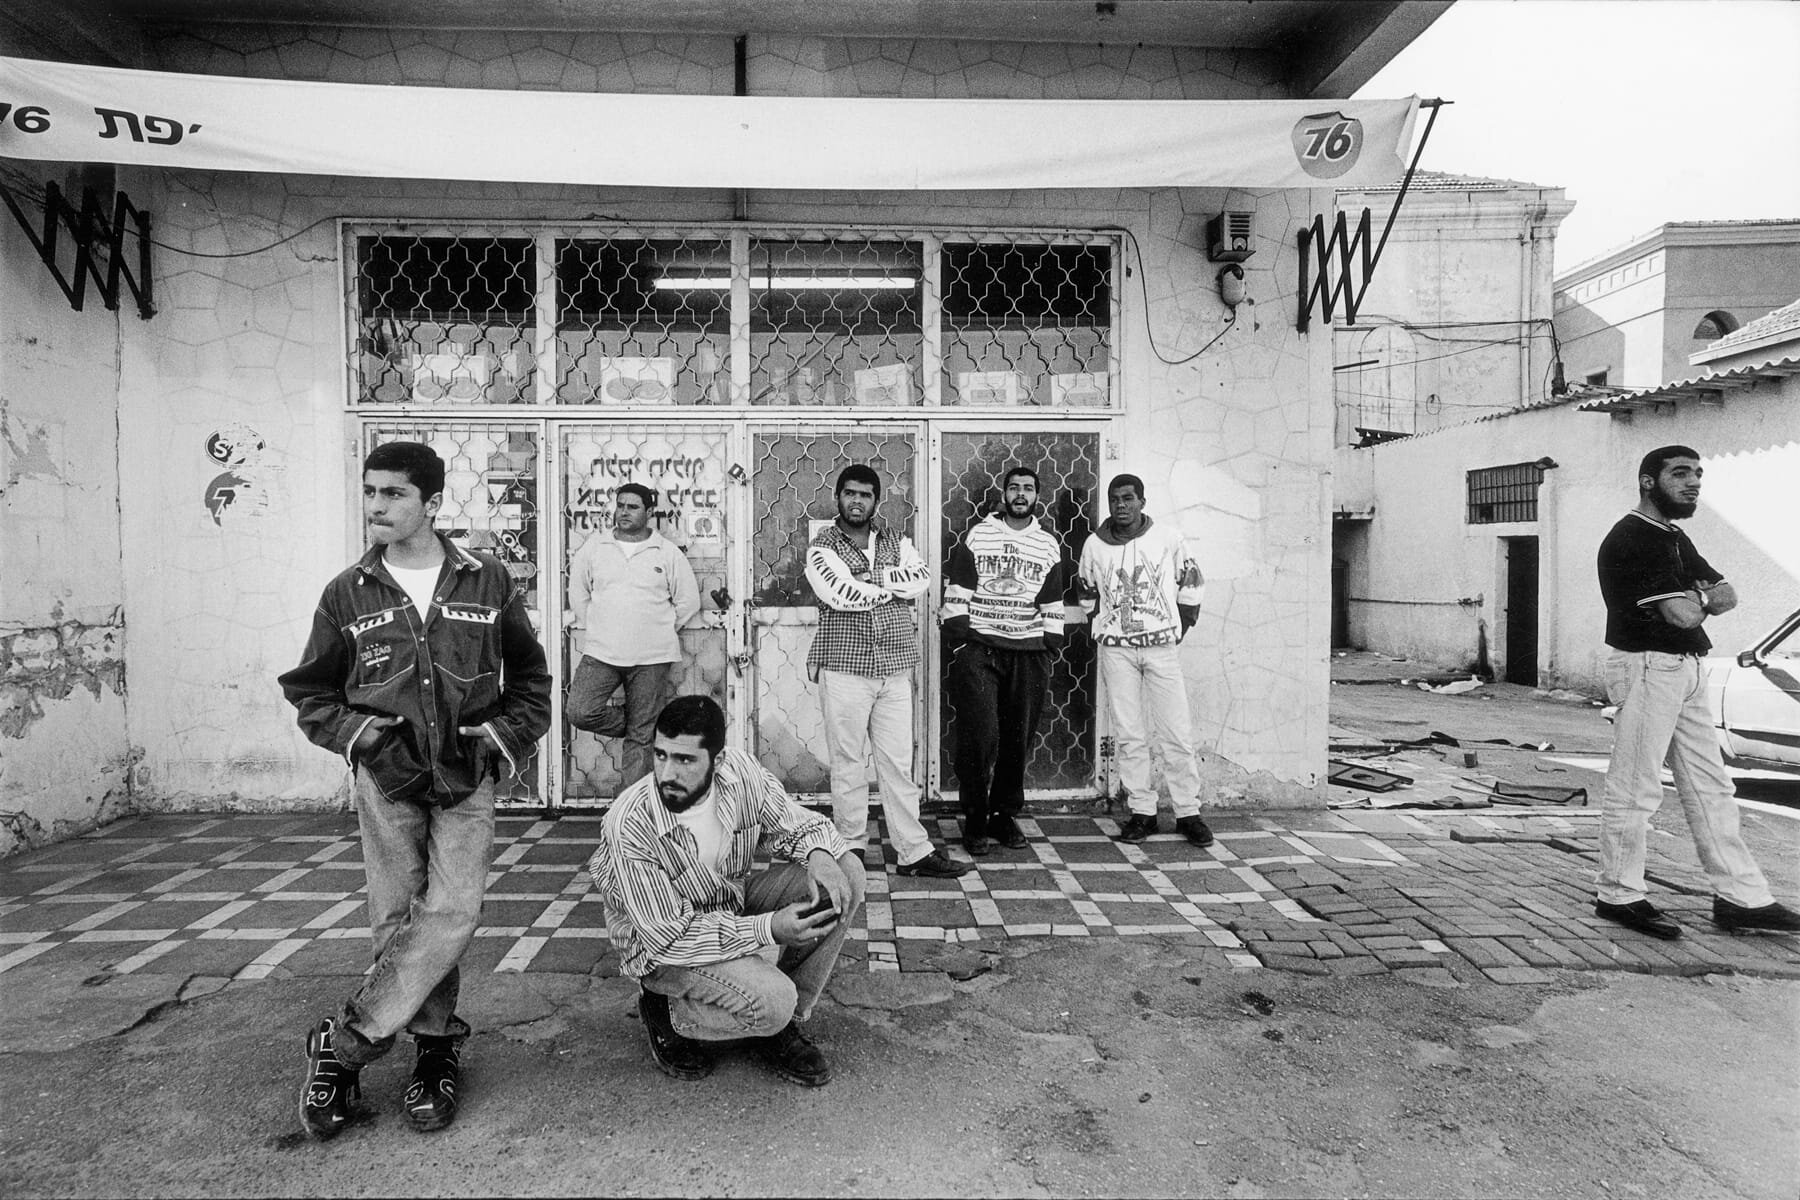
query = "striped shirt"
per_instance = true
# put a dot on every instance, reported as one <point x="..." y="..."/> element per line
<point x="865" y="608"/>
<point x="665" y="906"/>
<point x="1004" y="586"/>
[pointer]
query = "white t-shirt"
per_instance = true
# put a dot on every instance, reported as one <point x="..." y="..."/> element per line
<point x="702" y="821"/>
<point x="419" y="583"/>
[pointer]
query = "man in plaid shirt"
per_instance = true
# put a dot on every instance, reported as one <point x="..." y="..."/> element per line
<point x="866" y="579"/>
<point x="688" y="915"/>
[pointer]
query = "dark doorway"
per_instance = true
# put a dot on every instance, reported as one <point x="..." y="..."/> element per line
<point x="1522" y="610"/>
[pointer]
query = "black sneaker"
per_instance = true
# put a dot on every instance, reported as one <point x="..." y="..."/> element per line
<point x="331" y="1087"/>
<point x="1006" y="831"/>
<point x="1194" y="830"/>
<point x="1642" y="916"/>
<point x="1775" y="918"/>
<point x="795" y="1058"/>
<point x="1139" y="827"/>
<point x="936" y="865"/>
<point x="678" y="1057"/>
<point x="431" y="1096"/>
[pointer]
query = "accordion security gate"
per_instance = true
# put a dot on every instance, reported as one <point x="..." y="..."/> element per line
<point x="736" y="370"/>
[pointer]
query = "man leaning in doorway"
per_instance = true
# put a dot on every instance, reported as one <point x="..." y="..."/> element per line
<point x="1143" y="592"/>
<point x="1659" y="591"/>
<point x="422" y="670"/>
<point x="630" y="592"/>
<point x="1003" y="616"/>
<point x="865" y="578"/>
<point x="688" y="914"/>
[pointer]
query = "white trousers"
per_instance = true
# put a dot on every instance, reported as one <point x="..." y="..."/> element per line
<point x="1146" y="700"/>
<point x="861" y="711"/>
<point x="1663" y="716"/>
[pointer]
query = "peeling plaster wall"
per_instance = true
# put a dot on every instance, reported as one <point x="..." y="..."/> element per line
<point x="1234" y="445"/>
<point x="64" y="756"/>
<point x="1745" y="525"/>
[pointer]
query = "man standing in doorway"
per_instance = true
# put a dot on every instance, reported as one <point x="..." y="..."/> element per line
<point x="866" y="578"/>
<point x="1003" y="615"/>
<point x="1144" y="593"/>
<point x="688" y="914"/>
<point x="422" y="670"/>
<point x="630" y="592"/>
<point x="1659" y="592"/>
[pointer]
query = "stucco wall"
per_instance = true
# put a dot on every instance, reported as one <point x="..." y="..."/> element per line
<point x="1232" y="447"/>
<point x="64" y="756"/>
<point x="1425" y="550"/>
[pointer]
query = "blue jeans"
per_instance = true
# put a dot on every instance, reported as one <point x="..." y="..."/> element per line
<point x="427" y="872"/>
<point x="647" y="688"/>
<point x="750" y="997"/>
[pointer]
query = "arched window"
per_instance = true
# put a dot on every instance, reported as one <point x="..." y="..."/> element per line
<point x="1715" y="325"/>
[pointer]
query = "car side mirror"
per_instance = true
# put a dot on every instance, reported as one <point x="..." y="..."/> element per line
<point x="1748" y="658"/>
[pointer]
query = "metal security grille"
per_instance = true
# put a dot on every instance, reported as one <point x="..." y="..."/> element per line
<point x="749" y="316"/>
<point x="792" y="494"/>
<point x="1500" y="494"/>
<point x="688" y="467"/>
<point x="643" y="320"/>
<point x="835" y="321"/>
<point x="490" y="504"/>
<point x="1027" y="324"/>
<point x="1067" y="465"/>
<point x="445" y="320"/>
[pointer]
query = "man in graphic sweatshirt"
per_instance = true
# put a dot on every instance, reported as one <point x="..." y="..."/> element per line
<point x="1142" y="592"/>
<point x="1003" y="616"/>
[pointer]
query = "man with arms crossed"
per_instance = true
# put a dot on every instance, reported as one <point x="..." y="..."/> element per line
<point x="1658" y="593"/>
<point x="688" y="916"/>
<point x="422" y="670"/>
<point x="1144" y="593"/>
<point x="863" y="655"/>
<point x="1003" y="615"/>
<point x="630" y="591"/>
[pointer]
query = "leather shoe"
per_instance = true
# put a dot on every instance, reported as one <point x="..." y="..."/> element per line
<point x="1006" y="831"/>
<point x="1775" y="918"/>
<point x="795" y="1058"/>
<point x="1640" y="915"/>
<point x="1138" y="827"/>
<point x="978" y="846"/>
<point x="676" y="1056"/>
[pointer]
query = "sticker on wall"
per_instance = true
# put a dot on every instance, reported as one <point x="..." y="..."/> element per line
<point x="246" y="487"/>
<point x="236" y="495"/>
<point x="234" y="445"/>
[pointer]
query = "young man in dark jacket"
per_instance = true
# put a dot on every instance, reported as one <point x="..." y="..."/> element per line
<point x="422" y="670"/>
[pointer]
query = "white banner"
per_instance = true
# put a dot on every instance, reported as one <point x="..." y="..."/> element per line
<point x="66" y="113"/>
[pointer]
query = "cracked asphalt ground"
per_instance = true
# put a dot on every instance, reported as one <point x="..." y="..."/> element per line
<point x="1102" y="1068"/>
<point x="1060" y="1066"/>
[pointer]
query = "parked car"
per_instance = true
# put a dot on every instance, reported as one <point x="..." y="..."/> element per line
<point x="1755" y="701"/>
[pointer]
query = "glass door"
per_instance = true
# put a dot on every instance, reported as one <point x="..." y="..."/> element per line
<point x="795" y="468"/>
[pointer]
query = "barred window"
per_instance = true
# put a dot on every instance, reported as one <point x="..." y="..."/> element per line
<point x="1500" y="494"/>
<point x="774" y="317"/>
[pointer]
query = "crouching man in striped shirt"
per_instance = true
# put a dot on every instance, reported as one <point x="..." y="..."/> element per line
<point x="688" y="916"/>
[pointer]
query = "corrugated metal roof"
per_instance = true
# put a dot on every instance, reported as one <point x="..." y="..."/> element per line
<point x="1704" y="388"/>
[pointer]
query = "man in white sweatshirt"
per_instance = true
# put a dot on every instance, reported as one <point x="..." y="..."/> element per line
<point x="630" y="591"/>
<point x="1143" y="593"/>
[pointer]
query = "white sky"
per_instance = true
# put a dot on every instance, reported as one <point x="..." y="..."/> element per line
<point x="1644" y="111"/>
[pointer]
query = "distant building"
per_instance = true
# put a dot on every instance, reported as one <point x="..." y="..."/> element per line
<point x="1631" y="317"/>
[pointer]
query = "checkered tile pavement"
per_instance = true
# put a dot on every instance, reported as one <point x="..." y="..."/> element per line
<point x="248" y="897"/>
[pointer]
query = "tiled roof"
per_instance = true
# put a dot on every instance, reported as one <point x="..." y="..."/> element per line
<point x="1782" y="320"/>
<point x="1444" y="181"/>
<point x="1703" y="388"/>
